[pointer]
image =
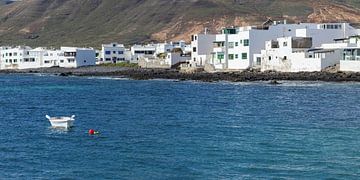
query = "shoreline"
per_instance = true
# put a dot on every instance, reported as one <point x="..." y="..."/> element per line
<point x="146" y="74"/>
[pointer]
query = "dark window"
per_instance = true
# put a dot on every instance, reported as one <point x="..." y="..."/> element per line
<point x="244" y="56"/>
<point x="194" y="49"/>
<point x="246" y="42"/>
<point x="108" y="52"/>
<point x="120" y="52"/>
<point x="67" y="54"/>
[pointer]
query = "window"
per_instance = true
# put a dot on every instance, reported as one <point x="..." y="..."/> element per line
<point x="107" y="59"/>
<point x="68" y="54"/>
<point x="231" y="56"/>
<point x="231" y="45"/>
<point x="120" y="52"/>
<point x="61" y="61"/>
<point x="236" y="56"/>
<point x="84" y="61"/>
<point x="15" y="60"/>
<point x="236" y="44"/>
<point x="241" y="41"/>
<point x="269" y="58"/>
<point x="47" y="62"/>
<point x="258" y="61"/>
<point x="15" y="54"/>
<point x="194" y="48"/>
<point x="107" y="52"/>
<point x="10" y="54"/>
<point x="246" y="42"/>
<point x="285" y="44"/>
<point x="285" y="57"/>
<point x="220" y="56"/>
<point x="195" y="38"/>
<point x="114" y="52"/>
<point x="244" y="56"/>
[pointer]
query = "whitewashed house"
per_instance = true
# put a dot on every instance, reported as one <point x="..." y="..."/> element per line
<point x="240" y="48"/>
<point x="112" y="53"/>
<point x="46" y="57"/>
<point x="350" y="60"/>
<point x="143" y="51"/>
<point x="173" y="58"/>
<point x="163" y="48"/>
<point x="18" y="58"/>
<point x="76" y="57"/>
<point x="294" y="54"/>
<point x="201" y="48"/>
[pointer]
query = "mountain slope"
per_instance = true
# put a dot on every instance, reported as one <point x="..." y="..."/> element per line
<point x="92" y="22"/>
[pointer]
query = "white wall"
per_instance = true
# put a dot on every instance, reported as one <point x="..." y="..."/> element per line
<point x="204" y="45"/>
<point x="173" y="58"/>
<point x="287" y="59"/>
<point x="347" y="65"/>
<point x="83" y="57"/>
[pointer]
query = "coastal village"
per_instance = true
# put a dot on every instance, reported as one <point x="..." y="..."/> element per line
<point x="273" y="46"/>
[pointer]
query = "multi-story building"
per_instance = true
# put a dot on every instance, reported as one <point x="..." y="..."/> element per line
<point x="240" y="48"/>
<point x="143" y="51"/>
<point x="76" y="57"/>
<point x="350" y="60"/>
<point x="18" y="58"/>
<point x="295" y="54"/>
<point x="112" y="53"/>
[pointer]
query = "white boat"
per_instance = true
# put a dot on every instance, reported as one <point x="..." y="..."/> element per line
<point x="61" y="122"/>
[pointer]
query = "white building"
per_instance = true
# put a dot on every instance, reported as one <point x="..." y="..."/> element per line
<point x="112" y="53"/>
<point x="350" y="60"/>
<point x="240" y="48"/>
<point x="173" y="58"/>
<point x="142" y="51"/>
<point x="47" y="57"/>
<point x="163" y="48"/>
<point x="18" y="58"/>
<point x="76" y="57"/>
<point x="201" y="48"/>
<point x="294" y="54"/>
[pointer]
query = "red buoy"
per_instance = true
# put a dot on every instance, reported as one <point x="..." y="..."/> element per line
<point x="91" y="132"/>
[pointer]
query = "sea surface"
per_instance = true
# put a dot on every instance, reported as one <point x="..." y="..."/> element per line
<point x="164" y="129"/>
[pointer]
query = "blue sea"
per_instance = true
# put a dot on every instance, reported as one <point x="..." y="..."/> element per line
<point x="163" y="129"/>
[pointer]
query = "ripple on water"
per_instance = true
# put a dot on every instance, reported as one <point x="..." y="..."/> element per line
<point x="188" y="130"/>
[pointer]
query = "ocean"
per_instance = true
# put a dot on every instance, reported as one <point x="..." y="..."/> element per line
<point x="164" y="129"/>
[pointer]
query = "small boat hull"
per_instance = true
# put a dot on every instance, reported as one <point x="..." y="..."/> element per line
<point x="61" y="122"/>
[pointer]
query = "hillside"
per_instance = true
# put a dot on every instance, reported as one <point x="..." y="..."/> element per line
<point x="92" y="22"/>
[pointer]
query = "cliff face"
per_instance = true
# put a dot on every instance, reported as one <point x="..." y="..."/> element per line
<point x="92" y="22"/>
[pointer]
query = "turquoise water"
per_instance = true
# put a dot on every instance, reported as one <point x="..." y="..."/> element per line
<point x="178" y="130"/>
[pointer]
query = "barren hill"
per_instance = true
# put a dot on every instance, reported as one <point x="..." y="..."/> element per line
<point x="92" y="22"/>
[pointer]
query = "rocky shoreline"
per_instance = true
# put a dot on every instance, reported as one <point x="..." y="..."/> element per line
<point x="145" y="74"/>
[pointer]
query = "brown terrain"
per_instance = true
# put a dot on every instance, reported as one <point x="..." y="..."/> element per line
<point x="92" y="22"/>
